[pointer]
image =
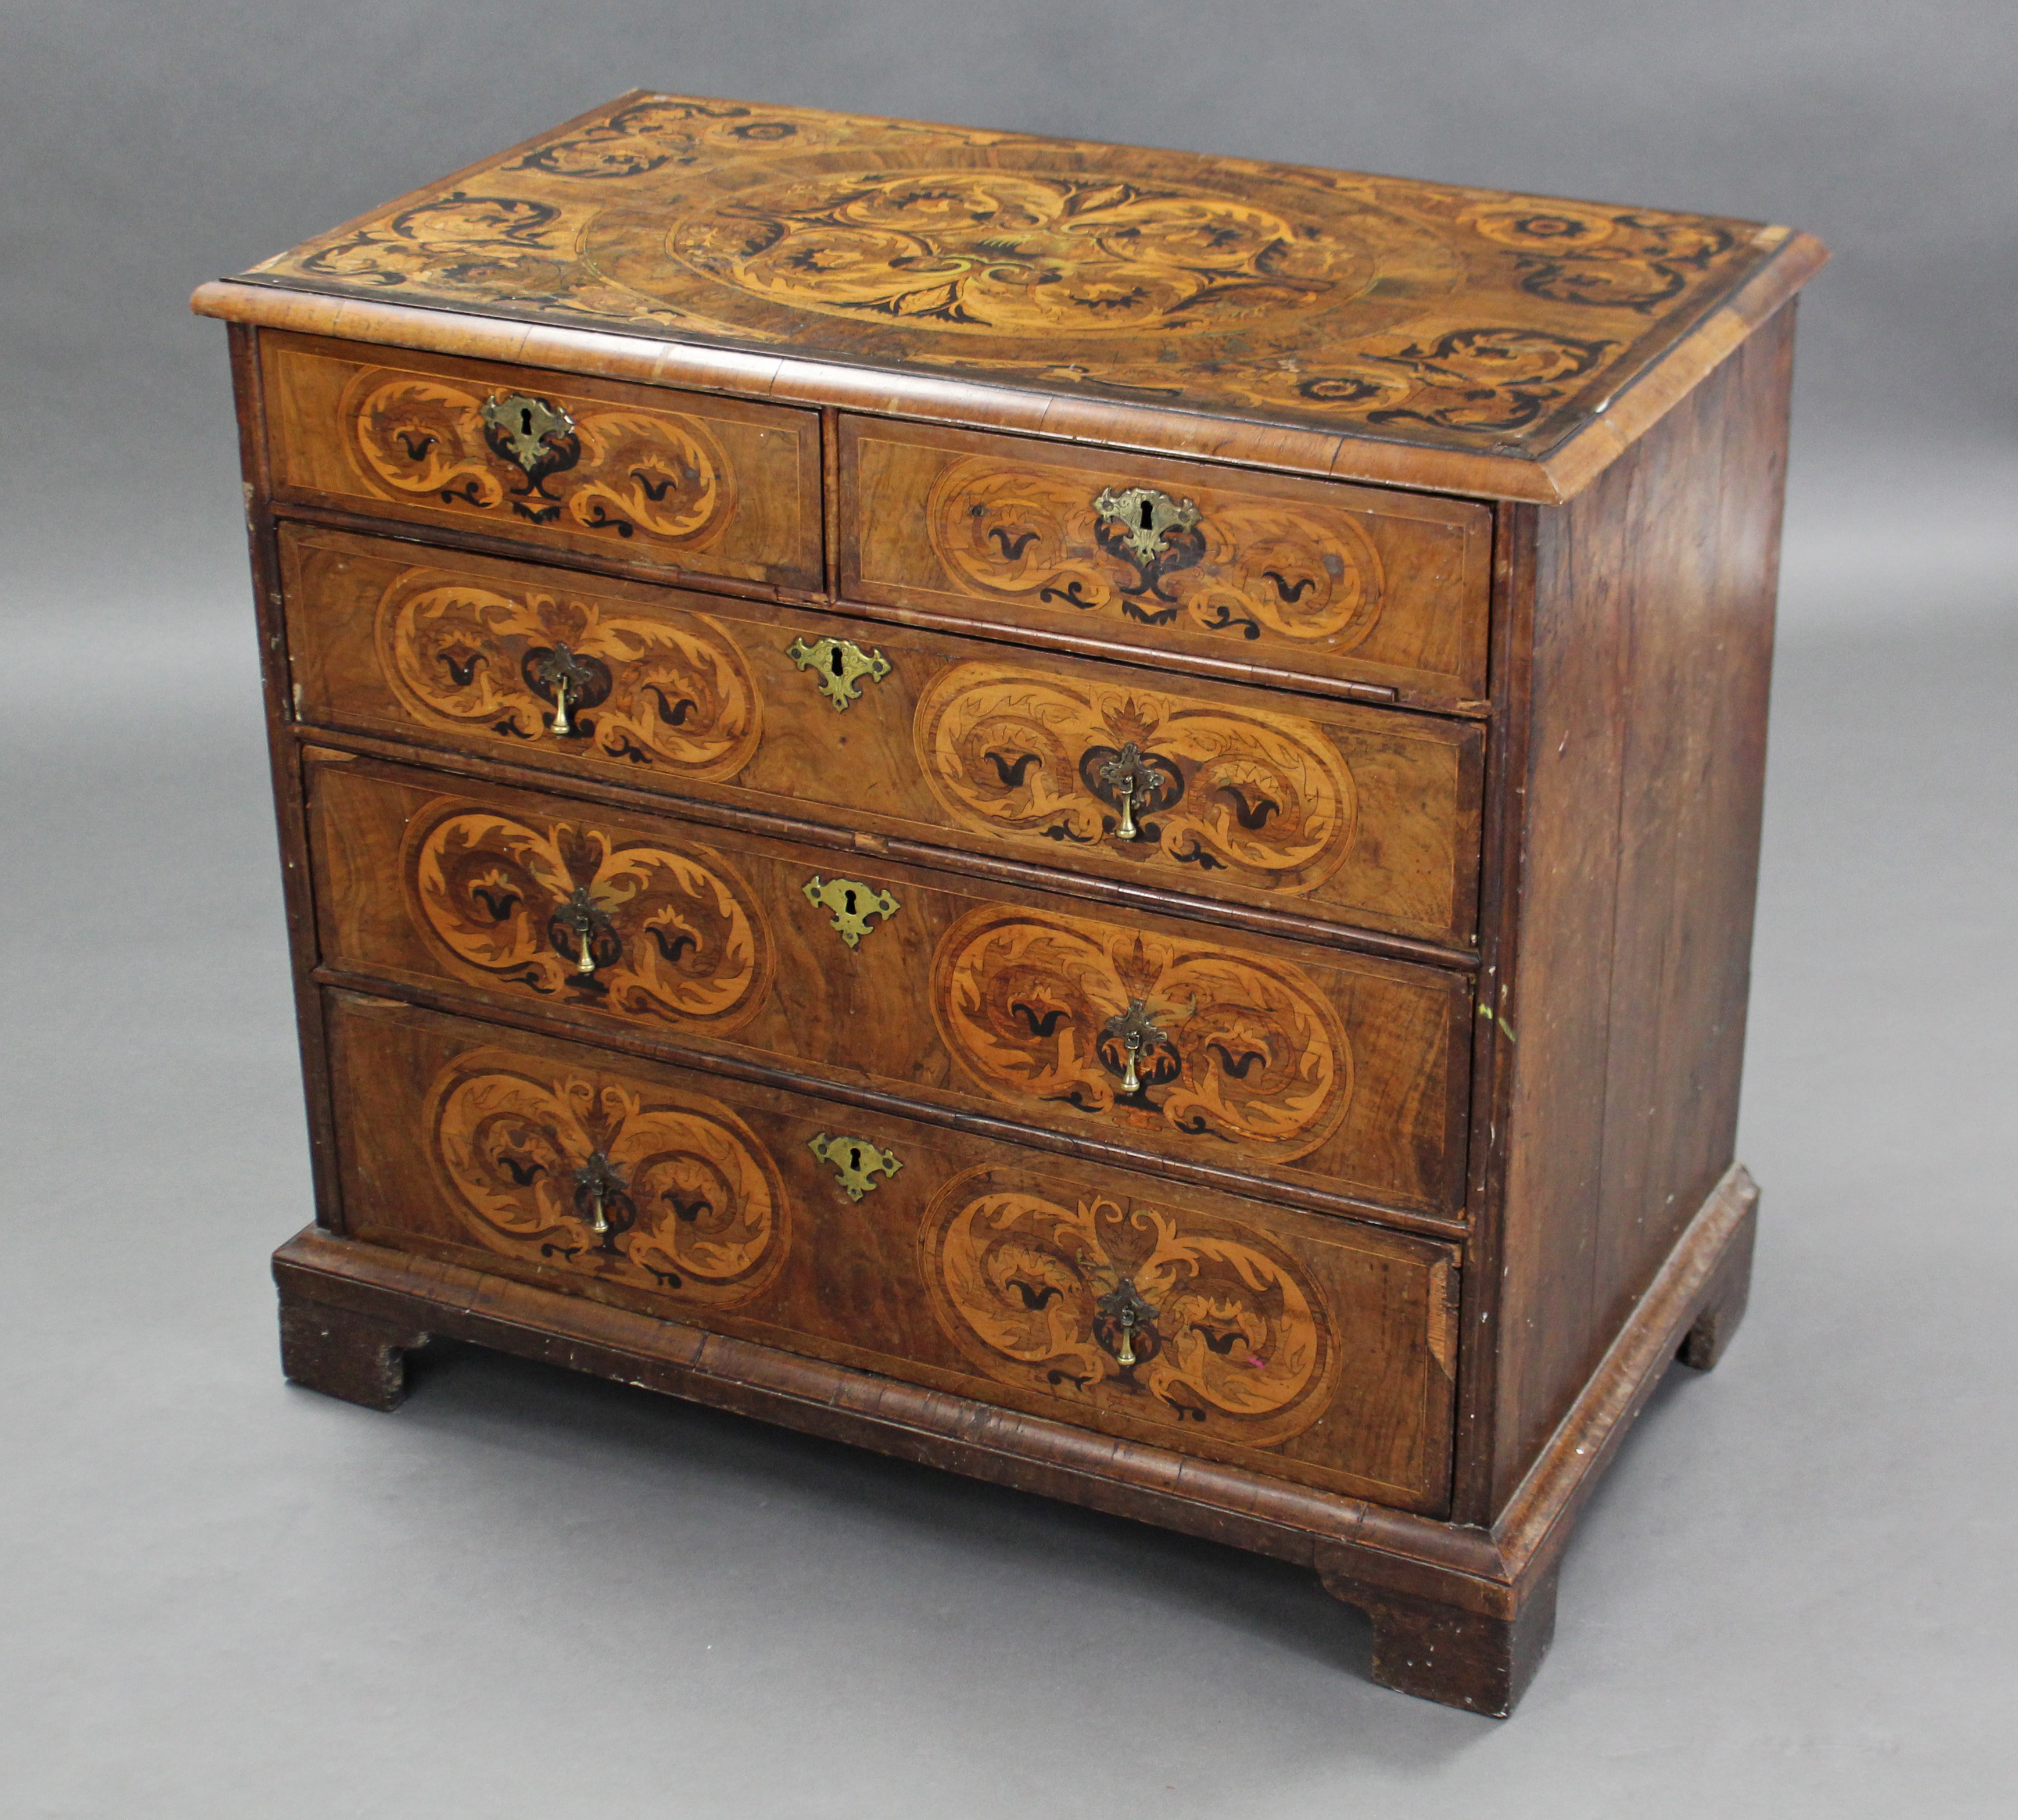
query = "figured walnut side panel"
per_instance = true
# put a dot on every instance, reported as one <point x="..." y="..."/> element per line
<point x="1315" y="1350"/>
<point x="1653" y="642"/>
<point x="1324" y="1075"/>
<point x="1364" y="816"/>
<point x="1334" y="582"/>
<point x="664" y="481"/>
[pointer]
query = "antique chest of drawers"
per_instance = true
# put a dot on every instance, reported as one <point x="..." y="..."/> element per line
<point x="1086" y="815"/>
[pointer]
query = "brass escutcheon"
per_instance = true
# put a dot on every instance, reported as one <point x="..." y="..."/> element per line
<point x="524" y="424"/>
<point x="853" y="902"/>
<point x="565" y="673"/>
<point x="854" y="1160"/>
<point x="1123" y="1306"/>
<point x="1145" y="517"/>
<point x="839" y="667"/>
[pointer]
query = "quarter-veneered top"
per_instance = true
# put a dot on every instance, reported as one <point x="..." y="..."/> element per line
<point x="1360" y="310"/>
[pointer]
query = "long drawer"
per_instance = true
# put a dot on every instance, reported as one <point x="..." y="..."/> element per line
<point x="1185" y="562"/>
<point x="1336" y="1079"/>
<point x="1364" y="816"/>
<point x="666" y="482"/>
<point x="1311" y="1348"/>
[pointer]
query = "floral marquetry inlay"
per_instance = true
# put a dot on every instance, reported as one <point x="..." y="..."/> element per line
<point x="429" y="441"/>
<point x="640" y="1184"/>
<point x="1173" y="1317"/>
<point x="575" y="914"/>
<point x="1429" y="313"/>
<point x="1219" y="1045"/>
<point x="667" y="691"/>
<point x="1258" y="795"/>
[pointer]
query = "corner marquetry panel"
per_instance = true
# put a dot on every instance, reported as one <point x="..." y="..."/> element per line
<point x="1320" y="1352"/>
<point x="664" y="481"/>
<point x="1381" y="590"/>
<point x="1334" y="1079"/>
<point x="1359" y="815"/>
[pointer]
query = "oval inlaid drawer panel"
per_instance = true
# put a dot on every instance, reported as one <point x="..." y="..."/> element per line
<point x="1183" y="562"/>
<point x="1361" y="814"/>
<point x="1314" y="1348"/>
<point x="1337" y="1078"/>
<point x="669" y="482"/>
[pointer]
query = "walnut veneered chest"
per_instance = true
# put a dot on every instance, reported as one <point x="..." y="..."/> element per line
<point x="1086" y="814"/>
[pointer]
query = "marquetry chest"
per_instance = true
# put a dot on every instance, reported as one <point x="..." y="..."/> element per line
<point x="1085" y="814"/>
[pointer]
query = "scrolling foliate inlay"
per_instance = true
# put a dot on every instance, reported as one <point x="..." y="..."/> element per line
<point x="577" y="915"/>
<point x="1174" y="1317"/>
<point x="1246" y="1052"/>
<point x="1248" y="566"/>
<point x="1261" y="796"/>
<point x="640" y="1184"/>
<point x="670" y="690"/>
<point x="1438" y="314"/>
<point x="624" y="471"/>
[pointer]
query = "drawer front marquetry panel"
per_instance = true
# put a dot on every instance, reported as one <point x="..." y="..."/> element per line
<point x="666" y="480"/>
<point x="1359" y="815"/>
<point x="1178" y="559"/>
<point x="1316" y="1349"/>
<point x="1339" y="1077"/>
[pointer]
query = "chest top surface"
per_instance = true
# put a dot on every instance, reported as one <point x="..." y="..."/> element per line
<point x="1425" y="315"/>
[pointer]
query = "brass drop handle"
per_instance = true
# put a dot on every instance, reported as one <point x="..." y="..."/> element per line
<point x="566" y="674"/>
<point x="1132" y="779"/>
<point x="1125" y="1307"/>
<point x="1135" y="1032"/>
<point x="594" y="1182"/>
<point x="579" y="914"/>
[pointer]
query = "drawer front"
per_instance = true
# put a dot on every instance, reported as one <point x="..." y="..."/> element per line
<point x="670" y="482"/>
<point x="1360" y="814"/>
<point x="1336" y="1078"/>
<point x="1179" y="561"/>
<point x="1309" y="1348"/>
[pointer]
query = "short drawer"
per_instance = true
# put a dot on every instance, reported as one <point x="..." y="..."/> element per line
<point x="1308" y="1348"/>
<point x="1337" y="1080"/>
<point x="1384" y="593"/>
<point x="1362" y="816"/>
<point x="669" y="482"/>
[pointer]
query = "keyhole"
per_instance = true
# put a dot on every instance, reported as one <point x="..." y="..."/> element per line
<point x="526" y="429"/>
<point x="1147" y="524"/>
<point x="834" y="662"/>
<point x="851" y="903"/>
<point x="854" y="1161"/>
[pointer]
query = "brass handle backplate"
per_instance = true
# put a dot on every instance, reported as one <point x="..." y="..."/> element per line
<point x="856" y="1160"/>
<point x="570" y="681"/>
<point x="1123" y="1316"/>
<point x="839" y="667"/>
<point x="852" y="904"/>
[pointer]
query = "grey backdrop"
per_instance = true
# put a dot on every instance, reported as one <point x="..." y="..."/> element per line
<point x="531" y="1595"/>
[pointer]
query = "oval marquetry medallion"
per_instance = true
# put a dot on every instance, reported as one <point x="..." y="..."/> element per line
<point x="639" y="1183"/>
<point x="1250" y="565"/>
<point x="611" y="469"/>
<point x="670" y="690"/>
<point x="573" y="913"/>
<point x="1040" y="1007"/>
<point x="1170" y="1315"/>
<point x="1262" y="796"/>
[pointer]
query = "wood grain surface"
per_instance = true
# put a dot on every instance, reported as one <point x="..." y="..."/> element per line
<point x="1256" y="1336"/>
<point x="1337" y="812"/>
<point x="1324" y="581"/>
<point x="1327" y="1075"/>
<point x="669" y="483"/>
